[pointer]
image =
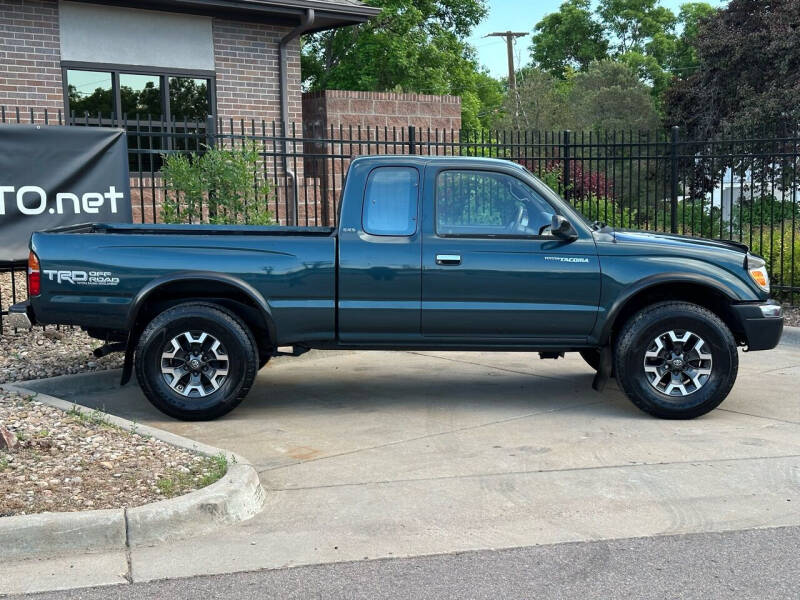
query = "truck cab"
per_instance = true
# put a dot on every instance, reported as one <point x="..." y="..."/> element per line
<point x="461" y="252"/>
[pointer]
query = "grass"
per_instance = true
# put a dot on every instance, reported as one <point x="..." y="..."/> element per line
<point x="95" y="417"/>
<point x="3" y="464"/>
<point x="202" y="474"/>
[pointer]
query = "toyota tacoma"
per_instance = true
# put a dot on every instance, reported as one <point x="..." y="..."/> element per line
<point x="443" y="253"/>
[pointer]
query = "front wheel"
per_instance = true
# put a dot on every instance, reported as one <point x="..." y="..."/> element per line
<point x="676" y="360"/>
<point x="196" y="361"/>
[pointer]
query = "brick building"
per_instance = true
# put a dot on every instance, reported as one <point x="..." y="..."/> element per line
<point x="150" y="65"/>
<point x="166" y="58"/>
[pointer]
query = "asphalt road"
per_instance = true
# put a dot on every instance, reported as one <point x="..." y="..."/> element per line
<point x="743" y="564"/>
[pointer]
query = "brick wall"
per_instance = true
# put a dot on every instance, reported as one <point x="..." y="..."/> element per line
<point x="30" y="55"/>
<point x="248" y="87"/>
<point x="248" y="79"/>
<point x="375" y="117"/>
<point x="321" y="110"/>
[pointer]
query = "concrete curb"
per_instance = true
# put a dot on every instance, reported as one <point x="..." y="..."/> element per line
<point x="236" y="497"/>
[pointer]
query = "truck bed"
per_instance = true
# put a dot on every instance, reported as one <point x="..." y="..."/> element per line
<point x="93" y="275"/>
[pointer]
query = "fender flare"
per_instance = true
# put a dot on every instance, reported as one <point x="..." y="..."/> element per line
<point x="210" y="276"/>
<point x="651" y="281"/>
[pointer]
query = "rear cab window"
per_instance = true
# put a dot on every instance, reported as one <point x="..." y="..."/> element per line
<point x="391" y="197"/>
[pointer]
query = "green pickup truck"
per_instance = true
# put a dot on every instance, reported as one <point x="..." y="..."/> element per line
<point x="437" y="253"/>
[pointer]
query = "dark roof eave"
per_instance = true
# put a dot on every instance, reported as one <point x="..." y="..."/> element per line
<point x="286" y="12"/>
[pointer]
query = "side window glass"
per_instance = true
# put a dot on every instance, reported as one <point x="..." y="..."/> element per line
<point x="390" y="201"/>
<point x="476" y="203"/>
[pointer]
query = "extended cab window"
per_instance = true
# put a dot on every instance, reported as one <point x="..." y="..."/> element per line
<point x="390" y="201"/>
<point x="476" y="203"/>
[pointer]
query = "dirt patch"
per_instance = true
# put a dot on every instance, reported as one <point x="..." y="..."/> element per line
<point x="45" y="352"/>
<point x="72" y="461"/>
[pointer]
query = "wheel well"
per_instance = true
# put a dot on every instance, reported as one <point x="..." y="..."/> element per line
<point x="223" y="294"/>
<point x="702" y="295"/>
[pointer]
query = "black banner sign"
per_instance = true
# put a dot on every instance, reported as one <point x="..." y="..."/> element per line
<point x="53" y="175"/>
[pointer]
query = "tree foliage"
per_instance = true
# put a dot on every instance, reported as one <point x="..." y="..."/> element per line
<point x="607" y="95"/>
<point x="649" y="38"/>
<point x="411" y="46"/>
<point x="569" y="39"/>
<point x="748" y="71"/>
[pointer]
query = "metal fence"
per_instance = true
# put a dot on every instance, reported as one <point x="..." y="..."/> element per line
<point x="743" y="189"/>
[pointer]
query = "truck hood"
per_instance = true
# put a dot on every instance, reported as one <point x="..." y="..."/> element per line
<point x="675" y="241"/>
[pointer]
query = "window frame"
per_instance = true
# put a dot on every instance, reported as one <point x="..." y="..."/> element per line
<point x="164" y="75"/>
<point x="364" y="202"/>
<point x="484" y="236"/>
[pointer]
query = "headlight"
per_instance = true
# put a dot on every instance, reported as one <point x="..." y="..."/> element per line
<point x="757" y="269"/>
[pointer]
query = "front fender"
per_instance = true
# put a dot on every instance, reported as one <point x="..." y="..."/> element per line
<point x="623" y="280"/>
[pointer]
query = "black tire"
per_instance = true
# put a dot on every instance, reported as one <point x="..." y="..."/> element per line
<point x="238" y="354"/>
<point x="639" y="335"/>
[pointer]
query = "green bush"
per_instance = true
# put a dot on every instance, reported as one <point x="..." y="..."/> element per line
<point x="780" y="247"/>
<point x="219" y="186"/>
<point x="607" y="211"/>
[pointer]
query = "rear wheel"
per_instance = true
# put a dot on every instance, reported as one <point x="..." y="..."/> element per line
<point x="676" y="360"/>
<point x="196" y="361"/>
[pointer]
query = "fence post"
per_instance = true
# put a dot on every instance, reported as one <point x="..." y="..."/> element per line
<point x="673" y="198"/>
<point x="412" y="139"/>
<point x="211" y="130"/>
<point x="565" y="175"/>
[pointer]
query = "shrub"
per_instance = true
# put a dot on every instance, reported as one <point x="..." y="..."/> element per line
<point x="780" y="247"/>
<point x="219" y="186"/>
<point x="607" y="211"/>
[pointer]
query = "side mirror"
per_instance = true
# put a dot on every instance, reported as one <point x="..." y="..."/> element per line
<point x="563" y="229"/>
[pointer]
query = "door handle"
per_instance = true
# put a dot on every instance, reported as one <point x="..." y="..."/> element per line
<point x="448" y="259"/>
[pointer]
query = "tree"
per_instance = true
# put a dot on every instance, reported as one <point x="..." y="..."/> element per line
<point x="568" y="39"/>
<point x="684" y="56"/>
<point x="634" y="23"/>
<point x="411" y="46"/>
<point x="540" y="103"/>
<point x="747" y="75"/>
<point x="609" y="95"/>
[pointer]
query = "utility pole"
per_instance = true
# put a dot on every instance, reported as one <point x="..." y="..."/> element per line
<point x="510" y="35"/>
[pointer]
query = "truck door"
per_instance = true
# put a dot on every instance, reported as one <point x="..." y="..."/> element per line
<point x="380" y="254"/>
<point x="491" y="270"/>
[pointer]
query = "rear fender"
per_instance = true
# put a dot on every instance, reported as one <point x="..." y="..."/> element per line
<point x="133" y="323"/>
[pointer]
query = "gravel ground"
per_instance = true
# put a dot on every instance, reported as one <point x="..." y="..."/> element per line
<point x="73" y="461"/>
<point x="45" y="352"/>
<point x="792" y="316"/>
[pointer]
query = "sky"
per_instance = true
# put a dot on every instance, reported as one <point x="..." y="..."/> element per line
<point x="521" y="15"/>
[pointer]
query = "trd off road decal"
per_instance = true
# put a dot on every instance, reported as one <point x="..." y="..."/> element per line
<point x="82" y="277"/>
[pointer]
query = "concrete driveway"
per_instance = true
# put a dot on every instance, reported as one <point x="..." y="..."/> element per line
<point x="379" y="454"/>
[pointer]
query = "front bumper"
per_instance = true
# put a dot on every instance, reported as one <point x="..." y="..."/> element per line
<point x="20" y="316"/>
<point x="762" y="324"/>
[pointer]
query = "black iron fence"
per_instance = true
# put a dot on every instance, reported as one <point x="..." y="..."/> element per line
<point x="743" y="189"/>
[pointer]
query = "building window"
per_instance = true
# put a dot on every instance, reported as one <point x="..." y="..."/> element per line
<point x="90" y="92"/>
<point x="161" y="112"/>
<point x="96" y="94"/>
